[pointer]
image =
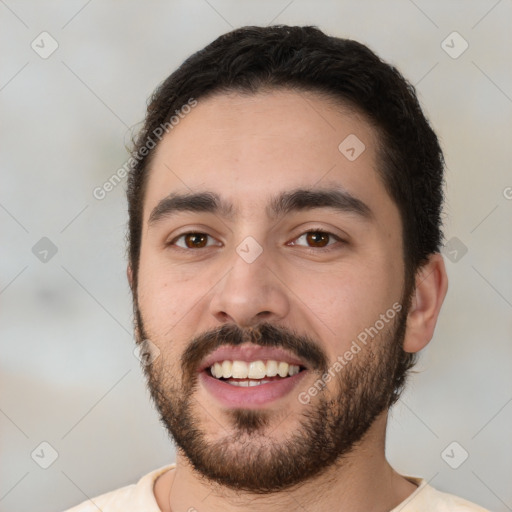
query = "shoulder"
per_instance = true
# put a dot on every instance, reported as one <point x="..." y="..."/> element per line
<point x="137" y="497"/>
<point x="427" y="498"/>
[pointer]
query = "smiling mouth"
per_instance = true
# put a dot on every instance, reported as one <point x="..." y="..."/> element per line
<point x="252" y="373"/>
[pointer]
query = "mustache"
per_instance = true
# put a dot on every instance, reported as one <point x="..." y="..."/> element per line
<point x="264" y="334"/>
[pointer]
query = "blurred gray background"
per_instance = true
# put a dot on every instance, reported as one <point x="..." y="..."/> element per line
<point x="68" y="375"/>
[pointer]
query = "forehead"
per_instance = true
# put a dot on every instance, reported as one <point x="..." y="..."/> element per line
<point x="248" y="148"/>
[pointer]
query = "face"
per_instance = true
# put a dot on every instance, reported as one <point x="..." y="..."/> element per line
<point x="271" y="283"/>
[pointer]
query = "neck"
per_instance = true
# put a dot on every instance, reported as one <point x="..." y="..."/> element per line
<point x="361" y="481"/>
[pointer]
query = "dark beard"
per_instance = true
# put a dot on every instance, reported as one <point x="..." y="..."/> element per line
<point x="333" y="423"/>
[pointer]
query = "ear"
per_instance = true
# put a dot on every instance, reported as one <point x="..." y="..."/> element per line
<point x="129" y="275"/>
<point x="428" y="297"/>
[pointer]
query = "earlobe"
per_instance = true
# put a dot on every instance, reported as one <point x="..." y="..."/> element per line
<point x="429" y="294"/>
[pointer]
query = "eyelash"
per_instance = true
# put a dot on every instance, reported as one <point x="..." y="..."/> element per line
<point x="313" y="230"/>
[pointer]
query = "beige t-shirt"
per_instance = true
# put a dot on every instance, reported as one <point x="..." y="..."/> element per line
<point x="139" y="497"/>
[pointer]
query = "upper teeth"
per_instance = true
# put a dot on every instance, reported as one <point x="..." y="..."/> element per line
<point x="253" y="370"/>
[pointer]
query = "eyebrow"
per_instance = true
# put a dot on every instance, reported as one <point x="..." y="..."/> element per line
<point x="296" y="200"/>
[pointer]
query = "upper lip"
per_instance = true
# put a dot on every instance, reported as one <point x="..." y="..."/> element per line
<point x="249" y="352"/>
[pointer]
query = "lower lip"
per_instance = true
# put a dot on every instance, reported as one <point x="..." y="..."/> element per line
<point x="252" y="396"/>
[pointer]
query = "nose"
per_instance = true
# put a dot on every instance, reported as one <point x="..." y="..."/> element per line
<point x="250" y="293"/>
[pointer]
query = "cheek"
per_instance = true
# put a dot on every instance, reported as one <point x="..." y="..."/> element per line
<point x="166" y="297"/>
<point x="343" y="304"/>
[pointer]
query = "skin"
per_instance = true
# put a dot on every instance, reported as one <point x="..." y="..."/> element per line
<point x="247" y="149"/>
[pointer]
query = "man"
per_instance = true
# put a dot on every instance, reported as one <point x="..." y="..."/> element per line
<point x="284" y="239"/>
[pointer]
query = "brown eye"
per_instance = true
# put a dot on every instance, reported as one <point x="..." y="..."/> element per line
<point x="318" y="239"/>
<point x="192" y="240"/>
<point x="195" y="240"/>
